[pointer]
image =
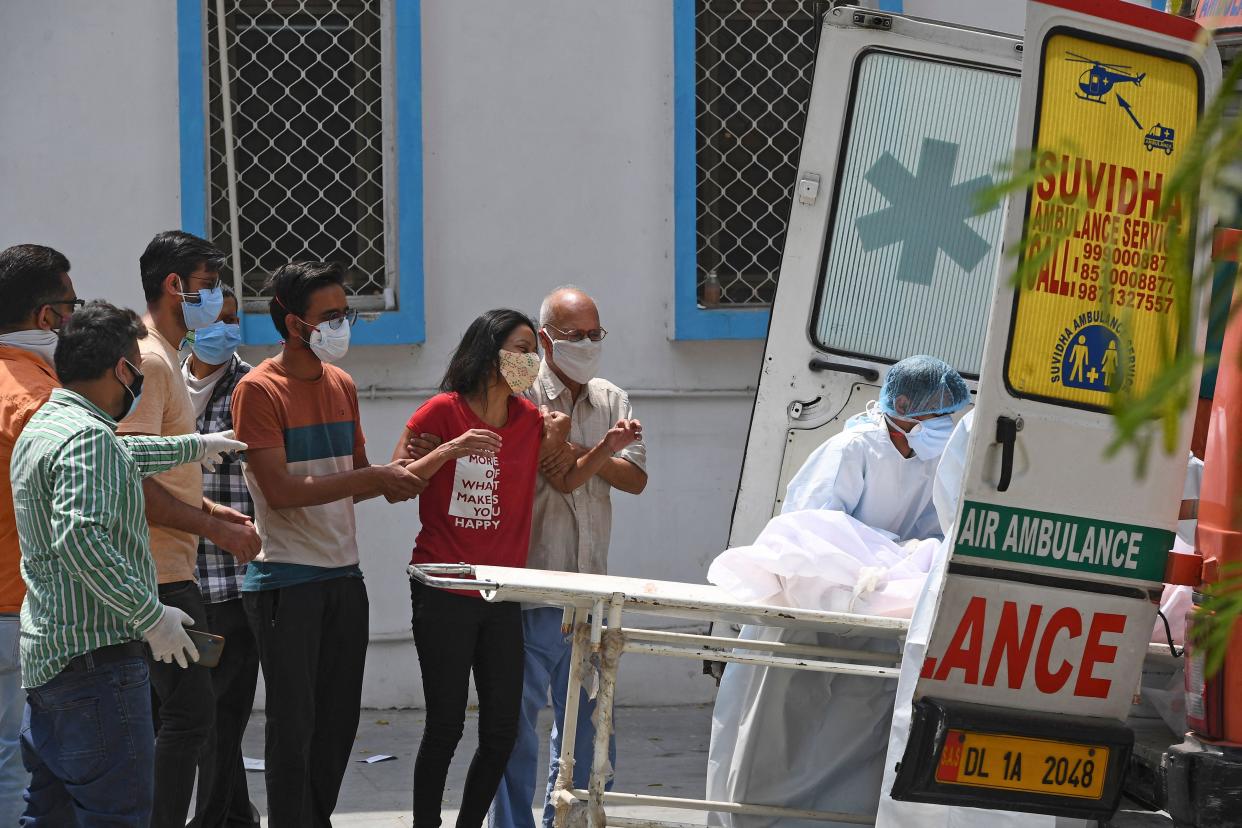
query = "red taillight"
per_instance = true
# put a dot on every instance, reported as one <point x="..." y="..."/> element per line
<point x="1205" y="697"/>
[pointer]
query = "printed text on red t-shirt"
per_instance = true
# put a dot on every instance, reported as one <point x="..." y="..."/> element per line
<point x="475" y="503"/>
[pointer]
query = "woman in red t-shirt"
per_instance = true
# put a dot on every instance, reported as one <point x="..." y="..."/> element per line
<point x="476" y="509"/>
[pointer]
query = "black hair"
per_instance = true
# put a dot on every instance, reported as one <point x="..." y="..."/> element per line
<point x="292" y="286"/>
<point x="29" y="278"/>
<point x="176" y="252"/>
<point x="94" y="338"/>
<point x="477" y="358"/>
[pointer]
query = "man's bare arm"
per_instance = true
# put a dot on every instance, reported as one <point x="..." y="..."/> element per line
<point x="624" y="476"/>
<point x="594" y="460"/>
<point x="163" y="509"/>
<point x="241" y="540"/>
<point x="283" y="490"/>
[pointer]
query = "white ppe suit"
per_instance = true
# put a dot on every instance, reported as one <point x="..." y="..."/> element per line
<point x="812" y="740"/>
<point x="860" y="472"/>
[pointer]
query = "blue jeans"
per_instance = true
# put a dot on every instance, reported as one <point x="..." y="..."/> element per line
<point x="88" y="742"/>
<point x="13" y="775"/>
<point x="547" y="668"/>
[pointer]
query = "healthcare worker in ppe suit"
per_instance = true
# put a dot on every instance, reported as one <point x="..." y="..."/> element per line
<point x="817" y="741"/>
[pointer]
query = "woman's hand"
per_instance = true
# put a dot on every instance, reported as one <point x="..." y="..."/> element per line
<point x="475" y="441"/>
<point x="420" y="445"/>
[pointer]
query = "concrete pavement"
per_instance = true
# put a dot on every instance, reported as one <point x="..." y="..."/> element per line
<point x="661" y="751"/>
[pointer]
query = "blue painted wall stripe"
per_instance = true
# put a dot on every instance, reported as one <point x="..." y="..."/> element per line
<point x="893" y="6"/>
<point x="192" y="115"/>
<point x="684" y="255"/>
<point x="689" y="320"/>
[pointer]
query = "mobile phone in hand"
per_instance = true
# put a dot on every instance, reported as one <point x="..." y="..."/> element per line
<point x="209" y="647"/>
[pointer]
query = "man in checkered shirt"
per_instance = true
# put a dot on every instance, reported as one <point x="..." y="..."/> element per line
<point x="211" y="373"/>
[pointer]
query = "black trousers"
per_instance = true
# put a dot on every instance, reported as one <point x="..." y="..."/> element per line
<point x="312" y="641"/>
<point x="187" y="710"/>
<point x="456" y="635"/>
<point x="223" y="799"/>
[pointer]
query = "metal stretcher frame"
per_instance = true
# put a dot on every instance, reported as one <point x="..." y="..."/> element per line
<point x="593" y="606"/>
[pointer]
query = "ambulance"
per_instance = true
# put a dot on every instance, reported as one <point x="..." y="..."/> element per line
<point x="1058" y="555"/>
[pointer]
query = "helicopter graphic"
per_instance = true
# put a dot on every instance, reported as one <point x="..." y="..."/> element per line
<point x="1098" y="81"/>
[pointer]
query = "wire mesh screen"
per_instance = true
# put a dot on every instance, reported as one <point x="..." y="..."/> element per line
<point x="753" y="66"/>
<point x="307" y="81"/>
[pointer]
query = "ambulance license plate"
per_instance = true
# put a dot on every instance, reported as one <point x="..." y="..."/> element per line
<point x="1023" y="763"/>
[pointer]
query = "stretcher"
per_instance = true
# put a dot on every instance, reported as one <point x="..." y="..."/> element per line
<point x="593" y="607"/>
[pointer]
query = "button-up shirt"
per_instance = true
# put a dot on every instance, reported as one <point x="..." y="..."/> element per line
<point x="26" y="381"/>
<point x="81" y="520"/>
<point x="219" y="575"/>
<point x="571" y="531"/>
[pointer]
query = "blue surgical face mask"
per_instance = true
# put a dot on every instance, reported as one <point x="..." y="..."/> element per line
<point x="206" y="310"/>
<point x="216" y="343"/>
<point x="929" y="437"/>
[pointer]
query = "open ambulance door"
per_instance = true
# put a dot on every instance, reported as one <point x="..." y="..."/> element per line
<point x="1058" y="552"/>
<point x="886" y="255"/>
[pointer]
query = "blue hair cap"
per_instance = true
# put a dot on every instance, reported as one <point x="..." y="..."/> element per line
<point x="921" y="385"/>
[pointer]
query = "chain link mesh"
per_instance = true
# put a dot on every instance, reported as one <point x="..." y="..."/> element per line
<point x="307" y="88"/>
<point x="753" y="66"/>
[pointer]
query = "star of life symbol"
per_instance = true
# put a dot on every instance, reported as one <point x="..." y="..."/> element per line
<point x="927" y="212"/>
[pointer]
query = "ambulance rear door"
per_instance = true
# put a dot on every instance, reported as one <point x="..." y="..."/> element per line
<point x="886" y="255"/>
<point x="1058" y="551"/>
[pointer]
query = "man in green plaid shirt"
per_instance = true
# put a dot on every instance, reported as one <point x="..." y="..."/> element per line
<point x="91" y="592"/>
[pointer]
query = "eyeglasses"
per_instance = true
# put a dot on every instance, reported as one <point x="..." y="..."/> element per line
<point x="350" y="316"/>
<point x="575" y="335"/>
<point x="73" y="304"/>
<point x="196" y="298"/>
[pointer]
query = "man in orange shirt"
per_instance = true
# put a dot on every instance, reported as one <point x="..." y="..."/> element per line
<point x="36" y="296"/>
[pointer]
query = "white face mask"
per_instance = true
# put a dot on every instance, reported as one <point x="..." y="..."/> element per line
<point x="38" y="342"/>
<point x="577" y="360"/>
<point x="929" y="437"/>
<point x="328" y="344"/>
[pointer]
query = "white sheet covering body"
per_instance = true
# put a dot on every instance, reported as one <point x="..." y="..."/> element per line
<point x="811" y="740"/>
<point x="826" y="560"/>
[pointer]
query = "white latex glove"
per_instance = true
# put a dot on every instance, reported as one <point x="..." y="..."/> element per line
<point x="169" y="640"/>
<point x="217" y="444"/>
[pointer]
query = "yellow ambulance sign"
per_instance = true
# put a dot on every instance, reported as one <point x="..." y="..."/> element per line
<point x="1097" y="313"/>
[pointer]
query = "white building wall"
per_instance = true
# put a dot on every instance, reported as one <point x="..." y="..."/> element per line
<point x="89" y="149"/>
<point x="548" y="159"/>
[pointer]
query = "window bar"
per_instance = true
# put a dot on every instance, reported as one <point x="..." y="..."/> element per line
<point x="230" y="162"/>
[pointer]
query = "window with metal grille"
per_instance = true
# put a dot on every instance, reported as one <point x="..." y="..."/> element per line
<point x="753" y="66"/>
<point x="311" y="144"/>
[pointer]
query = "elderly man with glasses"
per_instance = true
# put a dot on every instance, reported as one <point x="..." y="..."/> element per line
<point x="570" y="533"/>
